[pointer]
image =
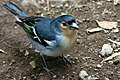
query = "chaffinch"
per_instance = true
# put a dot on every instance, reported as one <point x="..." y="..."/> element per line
<point x="51" y="36"/>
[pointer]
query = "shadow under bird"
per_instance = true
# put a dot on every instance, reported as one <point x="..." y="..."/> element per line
<point x="51" y="36"/>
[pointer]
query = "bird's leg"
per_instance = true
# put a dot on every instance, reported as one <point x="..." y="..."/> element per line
<point x="45" y="66"/>
<point x="64" y="59"/>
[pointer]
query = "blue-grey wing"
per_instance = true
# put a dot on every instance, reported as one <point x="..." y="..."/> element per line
<point x="43" y="29"/>
<point x="45" y="33"/>
<point x="40" y="29"/>
<point x="32" y="20"/>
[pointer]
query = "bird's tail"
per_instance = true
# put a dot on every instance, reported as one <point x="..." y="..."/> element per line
<point x="18" y="15"/>
<point x="14" y="9"/>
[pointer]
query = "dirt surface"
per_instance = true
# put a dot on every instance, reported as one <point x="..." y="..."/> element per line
<point x="15" y="63"/>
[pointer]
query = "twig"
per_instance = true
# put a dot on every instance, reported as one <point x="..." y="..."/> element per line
<point x="118" y="43"/>
<point x="16" y="47"/>
<point x="111" y="57"/>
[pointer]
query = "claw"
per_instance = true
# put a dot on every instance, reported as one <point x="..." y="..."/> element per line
<point x="48" y="71"/>
<point x="64" y="59"/>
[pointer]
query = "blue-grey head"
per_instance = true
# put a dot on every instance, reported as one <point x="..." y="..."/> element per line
<point x="68" y="22"/>
<point x="68" y="25"/>
<point x="65" y="24"/>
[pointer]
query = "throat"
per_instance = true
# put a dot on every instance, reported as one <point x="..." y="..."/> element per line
<point x="69" y="39"/>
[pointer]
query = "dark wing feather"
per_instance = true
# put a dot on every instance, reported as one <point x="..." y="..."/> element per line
<point x="32" y="20"/>
<point x="38" y="28"/>
<point x="44" y="30"/>
<point x="26" y="28"/>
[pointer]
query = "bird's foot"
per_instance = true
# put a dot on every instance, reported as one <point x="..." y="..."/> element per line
<point x="45" y="66"/>
<point x="64" y="59"/>
<point x="48" y="71"/>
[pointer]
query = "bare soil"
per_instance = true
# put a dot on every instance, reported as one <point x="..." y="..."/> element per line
<point x="15" y="65"/>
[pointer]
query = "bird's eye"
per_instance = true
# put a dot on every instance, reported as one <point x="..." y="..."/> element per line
<point x="64" y="24"/>
<point x="70" y="22"/>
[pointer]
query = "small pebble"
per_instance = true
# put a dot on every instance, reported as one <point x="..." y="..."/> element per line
<point x="93" y="78"/>
<point x="99" y="3"/>
<point x="91" y="37"/>
<point x="116" y="2"/>
<point x="83" y="74"/>
<point x="9" y="68"/>
<point x="109" y="0"/>
<point x="12" y="62"/>
<point x="2" y="14"/>
<point x="107" y="78"/>
<point x="55" y="76"/>
<point x="63" y="77"/>
<point x="114" y="46"/>
<point x="1" y="71"/>
<point x="21" y="50"/>
<point x="106" y="50"/>
<point x="3" y="62"/>
<point x="2" y="51"/>
<point x="110" y="73"/>
<point x="33" y="64"/>
<point x="66" y="5"/>
<point x="30" y="46"/>
<point x="26" y="52"/>
<point x="52" y="6"/>
<point x="99" y="66"/>
<point x="24" y="77"/>
<point x="74" y="72"/>
<point x="37" y="51"/>
<point x="116" y="62"/>
<point x="8" y="75"/>
<point x="116" y="30"/>
<point x="68" y="55"/>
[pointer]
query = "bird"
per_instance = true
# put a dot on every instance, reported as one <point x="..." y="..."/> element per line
<point x="51" y="36"/>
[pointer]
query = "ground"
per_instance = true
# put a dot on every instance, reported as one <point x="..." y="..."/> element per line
<point x="15" y="62"/>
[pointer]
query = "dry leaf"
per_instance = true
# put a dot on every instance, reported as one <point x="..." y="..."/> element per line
<point x="107" y="24"/>
<point x="94" y="30"/>
<point x="115" y="42"/>
<point x="111" y="57"/>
